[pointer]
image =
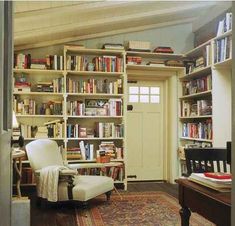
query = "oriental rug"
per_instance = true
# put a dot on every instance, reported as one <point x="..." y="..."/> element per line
<point x="135" y="209"/>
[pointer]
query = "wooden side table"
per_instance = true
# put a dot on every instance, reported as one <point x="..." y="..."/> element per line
<point x="17" y="156"/>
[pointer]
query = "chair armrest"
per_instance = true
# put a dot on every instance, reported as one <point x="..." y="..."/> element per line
<point x="64" y="172"/>
<point x="68" y="172"/>
<point x="85" y="165"/>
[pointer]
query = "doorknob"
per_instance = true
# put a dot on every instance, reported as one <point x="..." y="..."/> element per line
<point x="129" y="107"/>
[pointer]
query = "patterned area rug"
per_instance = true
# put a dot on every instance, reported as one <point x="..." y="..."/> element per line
<point x="135" y="209"/>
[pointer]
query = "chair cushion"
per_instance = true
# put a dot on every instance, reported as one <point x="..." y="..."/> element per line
<point x="86" y="187"/>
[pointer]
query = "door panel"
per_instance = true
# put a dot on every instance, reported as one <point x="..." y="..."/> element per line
<point x="135" y="148"/>
<point x="145" y="131"/>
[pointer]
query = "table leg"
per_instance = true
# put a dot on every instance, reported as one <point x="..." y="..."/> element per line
<point x="18" y="170"/>
<point x="185" y="214"/>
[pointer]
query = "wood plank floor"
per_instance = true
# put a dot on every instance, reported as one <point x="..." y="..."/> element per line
<point x="64" y="214"/>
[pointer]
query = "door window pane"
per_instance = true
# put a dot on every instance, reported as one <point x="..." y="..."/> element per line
<point x="144" y="99"/>
<point x="133" y="90"/>
<point x="155" y="90"/>
<point x="133" y="98"/>
<point x="154" y="99"/>
<point x="144" y="90"/>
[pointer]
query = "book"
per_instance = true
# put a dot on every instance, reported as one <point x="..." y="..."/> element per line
<point x="218" y="175"/>
<point x="163" y="49"/>
<point x="113" y="46"/>
<point x="83" y="150"/>
<point x="221" y="185"/>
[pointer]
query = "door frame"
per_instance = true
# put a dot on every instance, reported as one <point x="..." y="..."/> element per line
<point x="171" y="137"/>
<point x="6" y="59"/>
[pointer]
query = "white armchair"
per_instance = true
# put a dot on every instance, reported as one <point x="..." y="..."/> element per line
<point x="45" y="159"/>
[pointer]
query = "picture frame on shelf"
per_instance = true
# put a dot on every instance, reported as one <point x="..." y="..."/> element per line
<point x="95" y="103"/>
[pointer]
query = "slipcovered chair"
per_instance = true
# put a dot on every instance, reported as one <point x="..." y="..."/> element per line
<point x="58" y="182"/>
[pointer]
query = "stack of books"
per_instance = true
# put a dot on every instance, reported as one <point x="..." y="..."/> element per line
<point x="218" y="181"/>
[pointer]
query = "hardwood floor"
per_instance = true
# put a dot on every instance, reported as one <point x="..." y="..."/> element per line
<point x="64" y="214"/>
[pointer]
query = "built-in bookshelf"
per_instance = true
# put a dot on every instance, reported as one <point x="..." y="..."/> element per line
<point x="205" y="93"/>
<point x="77" y="100"/>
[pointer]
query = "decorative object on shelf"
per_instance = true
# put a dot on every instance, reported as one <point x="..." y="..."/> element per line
<point x="174" y="63"/>
<point x="95" y="103"/>
<point x="17" y="137"/>
<point x="90" y="67"/>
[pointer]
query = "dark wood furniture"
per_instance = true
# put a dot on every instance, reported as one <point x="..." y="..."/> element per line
<point x="199" y="160"/>
<point x="214" y="206"/>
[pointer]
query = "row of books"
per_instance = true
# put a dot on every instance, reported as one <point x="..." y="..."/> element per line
<point x="74" y="153"/>
<point x="112" y="107"/>
<point x="103" y="63"/>
<point x="115" y="170"/>
<point x="203" y="60"/>
<point x="55" y="130"/>
<point x="134" y="60"/>
<point x="223" y="49"/>
<point x="87" y="150"/>
<point x="225" y="24"/>
<point x="24" y="107"/>
<point x="94" y="86"/>
<point x="56" y="86"/>
<point x="29" y="107"/>
<point x="196" y="108"/>
<point x="108" y="148"/>
<point x="200" y="130"/>
<point x="108" y="130"/>
<point x="197" y="85"/>
<point x="102" y="130"/>
<point x="50" y="62"/>
<point x="76" y="130"/>
<point x="108" y="64"/>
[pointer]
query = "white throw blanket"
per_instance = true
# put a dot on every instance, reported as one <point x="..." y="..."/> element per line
<point x="48" y="182"/>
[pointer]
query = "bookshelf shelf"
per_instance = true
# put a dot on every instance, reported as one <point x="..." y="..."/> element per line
<point x="94" y="73"/>
<point x="51" y="138"/>
<point x="37" y="71"/>
<point x="196" y="95"/>
<point x="197" y="74"/>
<point x="228" y="33"/>
<point x="38" y="93"/>
<point x="93" y="52"/>
<point x="81" y="161"/>
<point x="196" y="139"/>
<point x="196" y="117"/>
<point x="197" y="51"/>
<point x="225" y="63"/>
<point x="40" y="116"/>
<point x="95" y="94"/>
<point x="95" y="116"/>
<point x="152" y="68"/>
<point x="96" y="138"/>
<point x="155" y="55"/>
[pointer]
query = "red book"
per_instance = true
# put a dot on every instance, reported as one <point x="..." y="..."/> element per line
<point x="218" y="175"/>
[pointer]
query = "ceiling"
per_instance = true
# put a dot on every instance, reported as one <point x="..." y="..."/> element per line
<point x="43" y="23"/>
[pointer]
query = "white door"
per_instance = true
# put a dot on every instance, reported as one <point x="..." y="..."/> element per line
<point x="5" y="111"/>
<point x="145" y="132"/>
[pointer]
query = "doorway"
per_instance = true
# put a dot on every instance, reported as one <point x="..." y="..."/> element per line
<point x="145" y="130"/>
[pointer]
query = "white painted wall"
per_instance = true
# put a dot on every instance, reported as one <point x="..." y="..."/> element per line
<point x="179" y="37"/>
